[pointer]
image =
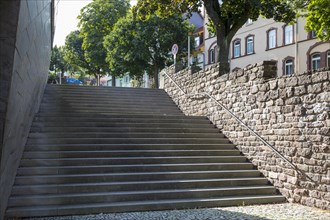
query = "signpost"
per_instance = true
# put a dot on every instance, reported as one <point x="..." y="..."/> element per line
<point x="175" y="49"/>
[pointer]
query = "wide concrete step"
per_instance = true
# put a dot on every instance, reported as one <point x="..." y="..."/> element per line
<point x="129" y="141"/>
<point x="90" y="208"/>
<point x="121" y="124"/>
<point x="124" y="196"/>
<point x="93" y="89"/>
<point x="129" y="160"/>
<point x="101" y="106"/>
<point x="108" y="106"/>
<point x="121" y="120"/>
<point x="101" y="99"/>
<point x="85" y="135"/>
<point x="126" y="153"/>
<point x="126" y="129"/>
<point x="166" y="101"/>
<point x="137" y="176"/>
<point x="108" y="114"/>
<point x="115" y="110"/>
<point x="51" y="115"/>
<point x="107" y="96"/>
<point x="115" y="101"/>
<point x="51" y="170"/>
<point x="138" y="185"/>
<point x="102" y="147"/>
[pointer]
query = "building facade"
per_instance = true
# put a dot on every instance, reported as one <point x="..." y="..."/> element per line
<point x="127" y="81"/>
<point x="294" y="49"/>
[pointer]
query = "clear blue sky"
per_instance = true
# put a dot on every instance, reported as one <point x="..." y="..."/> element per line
<point x="66" y="18"/>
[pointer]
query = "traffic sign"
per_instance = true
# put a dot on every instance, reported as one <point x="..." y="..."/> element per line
<point x="175" y="49"/>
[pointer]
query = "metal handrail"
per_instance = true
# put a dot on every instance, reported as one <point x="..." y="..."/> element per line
<point x="242" y="123"/>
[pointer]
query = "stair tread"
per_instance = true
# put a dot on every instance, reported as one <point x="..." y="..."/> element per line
<point x="137" y="145"/>
<point x="134" y="158"/>
<point x="128" y="151"/>
<point x="146" y="202"/>
<point x="68" y="195"/>
<point x="136" y="173"/>
<point x="144" y="182"/>
<point x="145" y="165"/>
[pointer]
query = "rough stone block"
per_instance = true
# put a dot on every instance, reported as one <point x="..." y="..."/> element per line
<point x="319" y="77"/>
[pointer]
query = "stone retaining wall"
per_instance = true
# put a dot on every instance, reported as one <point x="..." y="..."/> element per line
<point x="292" y="113"/>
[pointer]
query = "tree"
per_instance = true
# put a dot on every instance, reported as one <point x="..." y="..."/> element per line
<point x="96" y="21"/>
<point x="75" y="55"/>
<point x="318" y="18"/>
<point x="136" y="46"/>
<point x="226" y="17"/>
<point x="57" y="62"/>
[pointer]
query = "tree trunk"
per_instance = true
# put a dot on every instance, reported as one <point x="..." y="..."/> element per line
<point x="222" y="30"/>
<point x="113" y="81"/>
<point x="156" y="77"/>
<point x="96" y="75"/>
<point x="223" y="44"/>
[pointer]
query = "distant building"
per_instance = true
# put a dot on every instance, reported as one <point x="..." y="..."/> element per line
<point x="197" y="54"/>
<point x="294" y="49"/>
<point x="127" y="81"/>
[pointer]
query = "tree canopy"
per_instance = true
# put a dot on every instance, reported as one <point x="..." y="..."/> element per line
<point x="96" y="21"/>
<point x="57" y="61"/>
<point x="136" y="46"/>
<point x="74" y="53"/>
<point x="318" y="18"/>
<point x="227" y="16"/>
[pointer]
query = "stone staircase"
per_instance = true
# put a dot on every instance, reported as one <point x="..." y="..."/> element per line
<point x="96" y="150"/>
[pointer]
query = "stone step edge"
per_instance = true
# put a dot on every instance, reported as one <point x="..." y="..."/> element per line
<point x="139" y="173"/>
<point x="126" y="151"/>
<point x="144" y="182"/>
<point x="254" y="199"/>
<point x="68" y="195"/>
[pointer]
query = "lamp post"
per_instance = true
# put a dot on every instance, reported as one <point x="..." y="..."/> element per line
<point x="189" y="50"/>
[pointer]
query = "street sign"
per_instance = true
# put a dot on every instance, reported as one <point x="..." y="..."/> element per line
<point x="175" y="49"/>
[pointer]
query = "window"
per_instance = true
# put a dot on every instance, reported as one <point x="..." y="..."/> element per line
<point x="212" y="57"/>
<point x="288" y="34"/>
<point x="249" y="45"/>
<point x="328" y="59"/>
<point x="197" y="43"/>
<point x="288" y="69"/>
<point x="316" y="61"/>
<point x="271" y="39"/>
<point x="237" y="48"/>
<point x="313" y="34"/>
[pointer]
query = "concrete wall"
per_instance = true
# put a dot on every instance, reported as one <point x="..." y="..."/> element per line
<point x="25" y="44"/>
<point x="291" y="113"/>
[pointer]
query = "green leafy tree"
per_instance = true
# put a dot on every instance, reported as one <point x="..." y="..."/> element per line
<point x="96" y="21"/>
<point x="57" y="62"/>
<point x="226" y="17"/>
<point x="75" y="55"/>
<point x="136" y="46"/>
<point x="318" y="18"/>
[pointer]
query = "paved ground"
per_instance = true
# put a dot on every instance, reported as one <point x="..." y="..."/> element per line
<point x="283" y="211"/>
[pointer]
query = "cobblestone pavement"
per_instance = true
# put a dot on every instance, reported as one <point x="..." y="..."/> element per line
<point x="285" y="211"/>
